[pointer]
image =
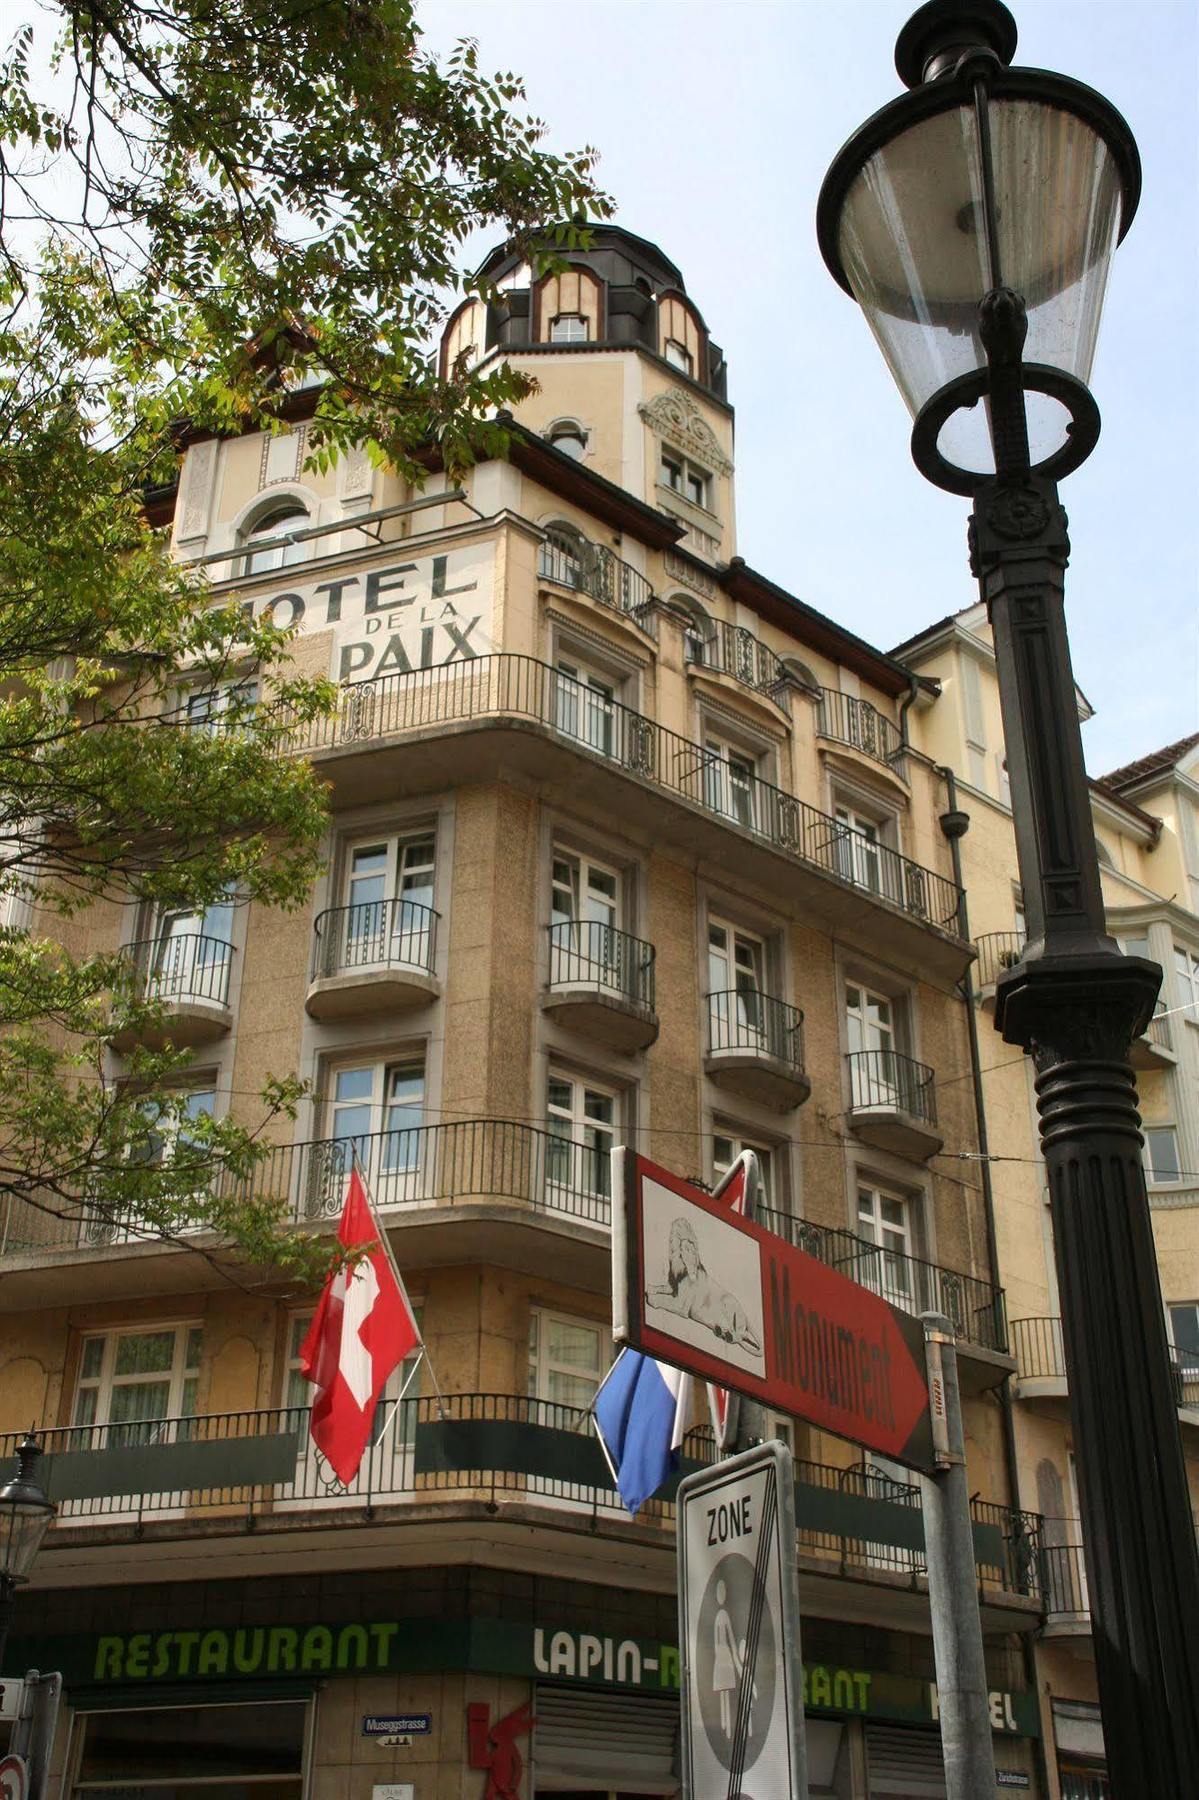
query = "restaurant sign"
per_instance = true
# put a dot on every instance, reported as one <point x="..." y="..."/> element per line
<point x="142" y="1659"/>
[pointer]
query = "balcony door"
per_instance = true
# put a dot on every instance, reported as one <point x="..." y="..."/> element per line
<point x="585" y="705"/>
<point x="859" y="855"/>
<point x="582" y="1131"/>
<point x="736" y="988"/>
<point x="377" y="1113"/>
<point x="568" y="1358"/>
<point x="135" y="1389"/>
<point x="386" y="1468"/>
<point x="885" y="1221"/>
<point x="387" y="906"/>
<point x="731" y="782"/>
<point x="874" y="1069"/>
<point x="191" y="951"/>
<point x="586" y="942"/>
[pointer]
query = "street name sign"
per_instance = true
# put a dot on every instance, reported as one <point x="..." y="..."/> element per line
<point x="743" y="1721"/>
<point x="698" y="1286"/>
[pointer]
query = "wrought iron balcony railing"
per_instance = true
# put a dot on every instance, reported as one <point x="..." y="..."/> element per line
<point x="976" y="1308"/>
<point x="1158" y="1029"/>
<point x="179" y="969"/>
<point x="592" y="569"/>
<point x="732" y="650"/>
<point x="381" y="934"/>
<point x="1041" y="1355"/>
<point x="261" y="1466"/>
<point x="997" y="951"/>
<point x="1063" y="1578"/>
<point x="887" y="1081"/>
<point x="510" y="686"/>
<point x="756" y="1023"/>
<point x="862" y="726"/>
<point x="587" y="953"/>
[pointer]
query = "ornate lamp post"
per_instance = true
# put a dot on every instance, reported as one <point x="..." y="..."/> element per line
<point x="25" y="1514"/>
<point x="974" y="220"/>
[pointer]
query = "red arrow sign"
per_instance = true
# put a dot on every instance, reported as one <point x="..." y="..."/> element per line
<point x="724" y="1298"/>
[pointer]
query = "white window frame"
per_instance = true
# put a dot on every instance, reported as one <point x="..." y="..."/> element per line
<point x="205" y="709"/>
<point x="580" y="1172"/>
<point x="740" y="1021"/>
<point x="586" y="699"/>
<point x="387" y="1470"/>
<point x="684" y="478"/>
<point x="271" y="522"/>
<point x="402" y="1169"/>
<point x="770" y="1161"/>
<point x="564" y="429"/>
<point x="542" y="1367"/>
<point x="860" y="846"/>
<point x="1162" y="1125"/>
<point x="1186" y="979"/>
<point x="878" y="1083"/>
<point x="1189" y="1357"/>
<point x="886" y="1268"/>
<point x="732" y="780"/>
<point x="569" y="336"/>
<point x="682" y="358"/>
<point x="181" y="1406"/>
<point x="189" y="945"/>
<point x="388" y="932"/>
<point x="594" y="951"/>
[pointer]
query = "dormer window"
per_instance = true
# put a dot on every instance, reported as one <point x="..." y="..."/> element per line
<point x="678" y="356"/>
<point x="273" y="524"/>
<point x="685" y="478"/>
<point x="570" y="438"/>
<point x="568" y="328"/>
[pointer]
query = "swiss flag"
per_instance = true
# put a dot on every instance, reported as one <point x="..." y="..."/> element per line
<point x="363" y="1328"/>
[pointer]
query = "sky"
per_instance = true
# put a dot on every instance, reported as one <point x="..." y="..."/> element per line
<point x="716" y="121"/>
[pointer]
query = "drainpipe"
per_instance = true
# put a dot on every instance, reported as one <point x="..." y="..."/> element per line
<point x="905" y="706"/>
<point x="955" y="823"/>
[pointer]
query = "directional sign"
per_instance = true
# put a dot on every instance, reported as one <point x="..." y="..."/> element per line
<point x="722" y="1297"/>
<point x="743" y="1723"/>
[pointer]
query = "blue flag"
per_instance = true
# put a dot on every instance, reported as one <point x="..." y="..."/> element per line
<point x="641" y="1412"/>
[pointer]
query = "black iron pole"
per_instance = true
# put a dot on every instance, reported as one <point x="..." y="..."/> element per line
<point x="8" y="1592"/>
<point x="1075" y="1003"/>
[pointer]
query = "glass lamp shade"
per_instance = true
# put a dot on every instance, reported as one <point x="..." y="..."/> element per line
<point x="903" y="221"/>
<point x="25" y="1515"/>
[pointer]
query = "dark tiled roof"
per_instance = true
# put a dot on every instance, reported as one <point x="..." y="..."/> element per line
<point x="1156" y="763"/>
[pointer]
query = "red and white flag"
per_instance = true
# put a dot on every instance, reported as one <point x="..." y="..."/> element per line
<point x="363" y="1328"/>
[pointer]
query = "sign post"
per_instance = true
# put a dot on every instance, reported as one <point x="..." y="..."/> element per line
<point x="743" y="1723"/>
<point x="962" y="1698"/>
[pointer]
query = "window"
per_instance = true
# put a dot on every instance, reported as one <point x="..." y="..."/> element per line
<point x="884" y="1219"/>
<point x="135" y="1386"/>
<point x="730" y="782"/>
<point x="570" y="438"/>
<point x="1184" y="1334"/>
<point x="582" y="1133"/>
<point x="585" y="705"/>
<point x="875" y="1072"/>
<point x="727" y="1147"/>
<point x="858" y="850"/>
<point x="279" y="521"/>
<point x="298" y="1391"/>
<point x="568" y="1358"/>
<point x="1161" y="1153"/>
<point x="678" y="355"/>
<point x="194" y="1749"/>
<point x="221" y="708"/>
<point x="387" y="913"/>
<point x="1186" y="968"/>
<point x="377" y="1111"/>
<point x="585" y="939"/>
<point x="736" y="986"/>
<point x="569" y="328"/>
<point x="686" y="478"/>
<point x="191" y="952"/>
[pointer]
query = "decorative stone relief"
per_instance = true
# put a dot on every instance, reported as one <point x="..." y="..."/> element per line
<point x="199" y="469"/>
<point x="676" y="417"/>
<point x="282" y="456"/>
<point x="689" y="576"/>
<point x="357" y="475"/>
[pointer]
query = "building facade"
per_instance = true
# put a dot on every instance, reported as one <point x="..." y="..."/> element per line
<point x="628" y="845"/>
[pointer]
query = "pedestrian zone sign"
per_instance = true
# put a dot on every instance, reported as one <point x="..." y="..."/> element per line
<point x="743" y="1723"/>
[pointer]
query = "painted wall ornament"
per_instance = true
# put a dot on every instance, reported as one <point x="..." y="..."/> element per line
<point x="492" y="1748"/>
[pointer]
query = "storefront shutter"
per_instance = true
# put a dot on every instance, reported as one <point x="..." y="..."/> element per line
<point x="603" y="1739"/>
<point x="905" y="1765"/>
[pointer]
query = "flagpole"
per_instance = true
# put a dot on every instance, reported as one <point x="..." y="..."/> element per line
<point x="385" y="1245"/>
<point x="414" y="1371"/>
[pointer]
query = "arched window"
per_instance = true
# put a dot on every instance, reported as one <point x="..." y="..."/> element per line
<point x="289" y="515"/>
<point x="569" y="437"/>
<point x="566" y="554"/>
<point x="699" y="630"/>
<point x="801" y="673"/>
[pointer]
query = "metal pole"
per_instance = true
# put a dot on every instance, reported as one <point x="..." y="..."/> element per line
<point x="1075" y="1003"/>
<point x="963" y="1709"/>
<point x="8" y="1591"/>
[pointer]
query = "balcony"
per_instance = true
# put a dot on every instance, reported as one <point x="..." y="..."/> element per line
<point x="733" y="651"/>
<point x="997" y="951"/>
<point x="1154" y="1049"/>
<point x="187" y="976"/>
<point x="1063" y="1579"/>
<point x="893" y="1103"/>
<point x="573" y="561"/>
<point x="407" y="731"/>
<point x="601" y="984"/>
<point x="861" y="727"/>
<point x="373" y="958"/>
<point x="1041" y="1366"/>
<point x="755" y="1048"/>
<point x="975" y="1308"/>
<point x="494" y="1454"/>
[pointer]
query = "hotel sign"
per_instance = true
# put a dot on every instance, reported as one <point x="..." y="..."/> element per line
<point x="413" y="613"/>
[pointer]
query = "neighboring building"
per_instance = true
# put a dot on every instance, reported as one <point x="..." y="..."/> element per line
<point x="1147" y="833"/>
<point x="628" y="844"/>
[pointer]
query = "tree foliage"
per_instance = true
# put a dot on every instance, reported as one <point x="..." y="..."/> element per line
<point x="205" y="206"/>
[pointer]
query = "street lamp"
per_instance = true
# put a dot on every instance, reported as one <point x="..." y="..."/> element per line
<point x="25" y="1514"/>
<point x="974" y="220"/>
